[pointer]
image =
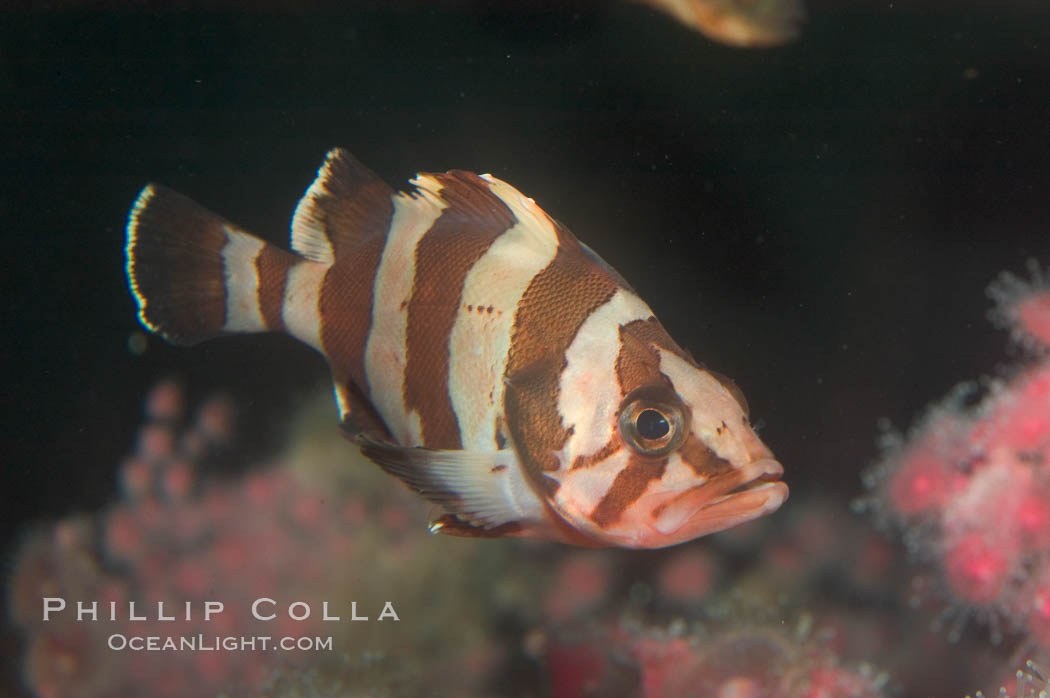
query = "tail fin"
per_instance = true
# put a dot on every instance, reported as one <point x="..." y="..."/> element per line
<point x="195" y="276"/>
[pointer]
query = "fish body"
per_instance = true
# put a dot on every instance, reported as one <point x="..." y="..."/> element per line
<point x="478" y="351"/>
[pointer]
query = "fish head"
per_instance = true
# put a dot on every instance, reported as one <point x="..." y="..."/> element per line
<point x="680" y="458"/>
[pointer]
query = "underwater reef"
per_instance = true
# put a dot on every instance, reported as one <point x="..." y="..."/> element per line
<point x="969" y="489"/>
<point x="936" y="582"/>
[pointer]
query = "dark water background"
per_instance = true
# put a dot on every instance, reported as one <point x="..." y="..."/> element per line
<point x="817" y="221"/>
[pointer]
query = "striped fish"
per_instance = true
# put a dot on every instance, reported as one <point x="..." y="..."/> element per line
<point x="479" y="352"/>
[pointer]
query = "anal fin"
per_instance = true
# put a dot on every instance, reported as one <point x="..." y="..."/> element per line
<point x="452" y="525"/>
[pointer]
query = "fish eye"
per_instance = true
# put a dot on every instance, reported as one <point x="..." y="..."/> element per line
<point x="651" y="424"/>
<point x="652" y="421"/>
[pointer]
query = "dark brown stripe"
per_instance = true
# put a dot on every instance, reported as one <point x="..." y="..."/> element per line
<point x="598" y="456"/>
<point x="346" y="310"/>
<point x="702" y="459"/>
<point x="556" y="303"/>
<point x="356" y="216"/>
<point x="629" y="485"/>
<point x="271" y="266"/>
<point x="638" y="362"/>
<point x="473" y="219"/>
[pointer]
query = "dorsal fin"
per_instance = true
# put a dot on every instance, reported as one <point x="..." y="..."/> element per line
<point x="345" y="204"/>
<point x="539" y="230"/>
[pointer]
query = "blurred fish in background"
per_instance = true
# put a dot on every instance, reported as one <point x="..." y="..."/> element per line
<point x="742" y="23"/>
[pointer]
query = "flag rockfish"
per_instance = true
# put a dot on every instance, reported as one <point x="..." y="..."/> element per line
<point x="479" y="352"/>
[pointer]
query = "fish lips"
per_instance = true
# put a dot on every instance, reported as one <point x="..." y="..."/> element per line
<point x="741" y="495"/>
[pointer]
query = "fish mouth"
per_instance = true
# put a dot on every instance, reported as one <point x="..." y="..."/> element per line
<point x="724" y="501"/>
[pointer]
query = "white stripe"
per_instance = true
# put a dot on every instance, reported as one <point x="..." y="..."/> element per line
<point x="712" y="406"/>
<point x="242" y="281"/>
<point x="678" y="477"/>
<point x="589" y="387"/>
<point x="480" y="341"/>
<point x="301" y="311"/>
<point x="387" y="346"/>
<point x="145" y="197"/>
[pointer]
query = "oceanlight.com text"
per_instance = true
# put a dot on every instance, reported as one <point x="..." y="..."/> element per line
<point x="217" y="643"/>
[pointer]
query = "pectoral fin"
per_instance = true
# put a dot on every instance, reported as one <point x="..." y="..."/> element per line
<point x="481" y="491"/>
